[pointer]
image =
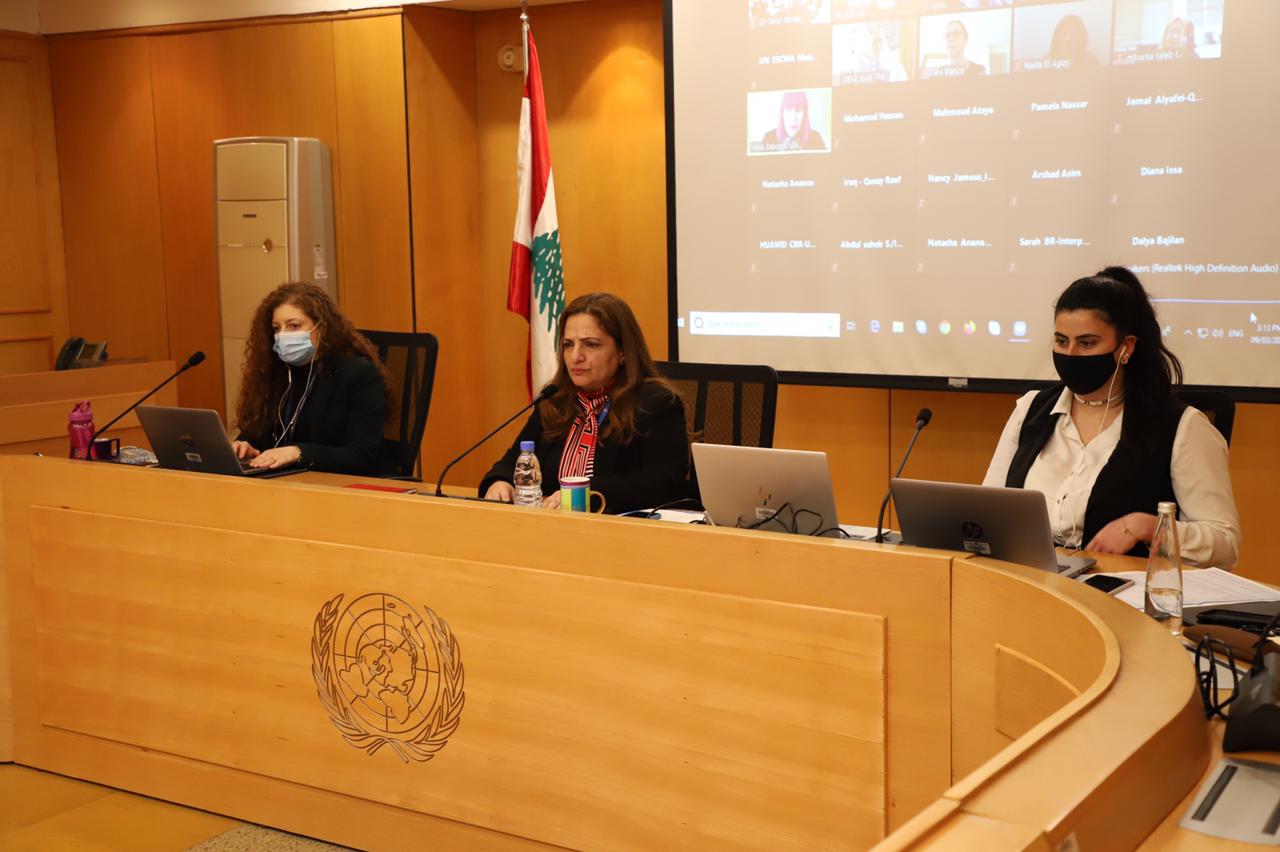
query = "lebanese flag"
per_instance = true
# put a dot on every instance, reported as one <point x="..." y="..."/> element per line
<point x="535" y="284"/>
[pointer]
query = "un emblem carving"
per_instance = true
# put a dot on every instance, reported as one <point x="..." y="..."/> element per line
<point x="387" y="676"/>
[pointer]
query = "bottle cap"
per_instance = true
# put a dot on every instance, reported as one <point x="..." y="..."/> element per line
<point x="526" y="446"/>
<point x="1165" y="508"/>
<point x="81" y="413"/>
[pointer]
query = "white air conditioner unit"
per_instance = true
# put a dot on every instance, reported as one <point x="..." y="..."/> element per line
<point x="275" y="224"/>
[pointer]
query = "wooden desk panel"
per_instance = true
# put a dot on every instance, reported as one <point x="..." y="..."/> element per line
<point x="34" y="406"/>
<point x="1099" y="772"/>
<point x="731" y="694"/>
<point x="628" y="683"/>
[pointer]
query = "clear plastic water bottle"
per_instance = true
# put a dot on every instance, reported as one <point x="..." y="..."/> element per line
<point x="528" y="477"/>
<point x="80" y="429"/>
<point x="1163" y="597"/>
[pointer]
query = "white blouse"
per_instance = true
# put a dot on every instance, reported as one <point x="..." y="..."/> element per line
<point x="1066" y="470"/>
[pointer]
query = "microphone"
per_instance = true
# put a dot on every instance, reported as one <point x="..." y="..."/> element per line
<point x="195" y="359"/>
<point x="546" y="393"/>
<point x="922" y="420"/>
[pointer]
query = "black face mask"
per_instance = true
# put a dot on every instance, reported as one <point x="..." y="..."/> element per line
<point x="1085" y="373"/>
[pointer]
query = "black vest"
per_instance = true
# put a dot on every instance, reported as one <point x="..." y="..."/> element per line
<point x="1134" y="479"/>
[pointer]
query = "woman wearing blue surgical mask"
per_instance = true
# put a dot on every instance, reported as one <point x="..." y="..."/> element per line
<point x="1113" y="440"/>
<point x="313" y="391"/>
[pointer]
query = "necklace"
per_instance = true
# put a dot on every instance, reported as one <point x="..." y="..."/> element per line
<point x="1098" y="403"/>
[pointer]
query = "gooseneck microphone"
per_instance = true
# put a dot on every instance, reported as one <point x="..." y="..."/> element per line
<point x="196" y="358"/>
<point x="922" y="420"/>
<point x="546" y="393"/>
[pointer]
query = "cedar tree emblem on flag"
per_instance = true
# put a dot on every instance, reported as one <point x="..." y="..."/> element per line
<point x="535" y="285"/>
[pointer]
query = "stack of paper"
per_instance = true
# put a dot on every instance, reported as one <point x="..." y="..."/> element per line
<point x="1207" y="588"/>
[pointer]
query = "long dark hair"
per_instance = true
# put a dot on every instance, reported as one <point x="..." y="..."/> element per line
<point x="265" y="377"/>
<point x="635" y="371"/>
<point x="1117" y="296"/>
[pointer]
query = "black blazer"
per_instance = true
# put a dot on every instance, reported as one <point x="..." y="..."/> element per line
<point x="340" y="427"/>
<point x="649" y="471"/>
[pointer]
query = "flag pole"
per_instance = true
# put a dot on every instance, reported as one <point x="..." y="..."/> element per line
<point x="524" y="33"/>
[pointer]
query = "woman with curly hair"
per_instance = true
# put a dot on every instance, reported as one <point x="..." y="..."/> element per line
<point x="313" y="391"/>
<point x="612" y="417"/>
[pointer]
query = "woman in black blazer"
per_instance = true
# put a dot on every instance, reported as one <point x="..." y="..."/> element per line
<point x="612" y="417"/>
<point x="313" y="390"/>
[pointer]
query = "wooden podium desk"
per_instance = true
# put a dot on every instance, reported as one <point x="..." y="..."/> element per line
<point x="34" y="406"/>
<point x="396" y="671"/>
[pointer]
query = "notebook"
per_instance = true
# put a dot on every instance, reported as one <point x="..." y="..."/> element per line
<point x="777" y="490"/>
<point x="1004" y="523"/>
<point x="193" y="439"/>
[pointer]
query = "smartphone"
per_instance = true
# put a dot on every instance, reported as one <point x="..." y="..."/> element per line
<point x="1106" y="583"/>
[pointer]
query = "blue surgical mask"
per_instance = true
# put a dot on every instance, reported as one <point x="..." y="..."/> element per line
<point x="294" y="347"/>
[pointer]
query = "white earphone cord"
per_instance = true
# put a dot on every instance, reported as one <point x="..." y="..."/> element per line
<point x="287" y="430"/>
<point x="1102" y="425"/>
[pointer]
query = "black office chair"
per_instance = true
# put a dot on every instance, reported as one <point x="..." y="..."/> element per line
<point x="410" y="360"/>
<point x="726" y="403"/>
<point x="1216" y="405"/>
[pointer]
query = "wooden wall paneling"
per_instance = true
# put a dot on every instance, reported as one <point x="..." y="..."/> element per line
<point x="957" y="444"/>
<point x="251" y="81"/>
<point x="849" y="425"/>
<point x="6" y="653"/>
<point x="33" y="302"/>
<point x="444" y="170"/>
<point x="25" y="354"/>
<point x="21" y="243"/>
<point x="602" y="71"/>
<point x="111" y="205"/>
<point x="1255" y="469"/>
<point x="376" y="287"/>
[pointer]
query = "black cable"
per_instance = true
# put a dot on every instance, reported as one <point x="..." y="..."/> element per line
<point x="1260" y="646"/>
<point x="843" y="533"/>
<point x="653" y="513"/>
<point x="795" y="520"/>
<point x="771" y="518"/>
<point x="1207" y="676"/>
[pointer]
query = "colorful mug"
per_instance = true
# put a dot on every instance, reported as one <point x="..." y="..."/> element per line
<point x="576" y="494"/>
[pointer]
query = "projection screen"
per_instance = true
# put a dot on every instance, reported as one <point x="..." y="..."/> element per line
<point x="893" y="192"/>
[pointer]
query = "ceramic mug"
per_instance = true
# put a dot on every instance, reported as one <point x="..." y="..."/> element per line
<point x="106" y="449"/>
<point x="576" y="494"/>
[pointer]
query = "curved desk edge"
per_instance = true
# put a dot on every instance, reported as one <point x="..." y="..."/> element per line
<point x="1102" y="770"/>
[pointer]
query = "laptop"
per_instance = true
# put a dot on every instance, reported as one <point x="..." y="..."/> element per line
<point x="777" y="490"/>
<point x="1004" y="523"/>
<point x="193" y="439"/>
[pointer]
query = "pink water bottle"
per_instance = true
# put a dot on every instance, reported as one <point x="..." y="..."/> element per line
<point x="80" y="429"/>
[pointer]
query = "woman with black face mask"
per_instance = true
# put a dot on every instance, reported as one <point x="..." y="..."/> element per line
<point x="1113" y="440"/>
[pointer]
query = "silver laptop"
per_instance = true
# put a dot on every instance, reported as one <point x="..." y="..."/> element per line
<point x="768" y="489"/>
<point x="193" y="439"/>
<point x="1004" y="523"/>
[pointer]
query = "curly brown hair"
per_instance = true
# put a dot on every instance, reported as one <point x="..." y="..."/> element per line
<point x="635" y="370"/>
<point x="265" y="377"/>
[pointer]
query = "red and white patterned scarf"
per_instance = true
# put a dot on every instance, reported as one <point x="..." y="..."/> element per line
<point x="579" y="456"/>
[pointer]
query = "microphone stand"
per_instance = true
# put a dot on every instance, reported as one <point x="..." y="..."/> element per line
<point x="546" y="393"/>
<point x="195" y="359"/>
<point x="922" y="420"/>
